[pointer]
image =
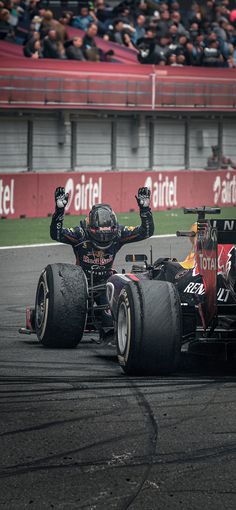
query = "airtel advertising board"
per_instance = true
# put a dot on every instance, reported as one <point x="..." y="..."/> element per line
<point x="32" y="195"/>
<point x="84" y="194"/>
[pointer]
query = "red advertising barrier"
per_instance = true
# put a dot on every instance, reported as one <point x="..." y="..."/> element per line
<point x="32" y="195"/>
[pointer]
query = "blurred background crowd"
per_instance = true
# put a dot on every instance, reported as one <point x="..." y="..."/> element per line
<point x="168" y="32"/>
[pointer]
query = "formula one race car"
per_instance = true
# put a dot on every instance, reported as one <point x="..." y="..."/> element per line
<point x="163" y="307"/>
<point x="156" y="309"/>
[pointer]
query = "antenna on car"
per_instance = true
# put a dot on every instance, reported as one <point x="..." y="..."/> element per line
<point x="151" y="255"/>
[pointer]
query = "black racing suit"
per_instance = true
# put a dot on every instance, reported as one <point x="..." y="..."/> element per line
<point x="87" y="255"/>
<point x="93" y="259"/>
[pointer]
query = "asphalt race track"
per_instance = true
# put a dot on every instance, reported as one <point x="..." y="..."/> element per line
<point x="76" y="433"/>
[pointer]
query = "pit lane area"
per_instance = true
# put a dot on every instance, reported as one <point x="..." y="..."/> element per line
<point x="76" y="433"/>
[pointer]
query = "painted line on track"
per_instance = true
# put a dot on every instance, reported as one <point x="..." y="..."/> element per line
<point x="163" y="236"/>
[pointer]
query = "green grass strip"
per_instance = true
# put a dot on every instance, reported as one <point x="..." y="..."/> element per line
<point x="15" y="232"/>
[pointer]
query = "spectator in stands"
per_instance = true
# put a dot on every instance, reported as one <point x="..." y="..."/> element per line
<point x="5" y="27"/>
<point x="84" y="19"/>
<point x="180" y="60"/>
<point x="173" y="33"/>
<point x="125" y="15"/>
<point x="52" y="46"/>
<point x="139" y="27"/>
<point x="29" y="47"/>
<point x="90" y="49"/>
<point x="116" y="34"/>
<point x="66" y="18"/>
<point x="36" y="50"/>
<point x="219" y="161"/>
<point x="193" y="53"/>
<point x="46" y="23"/>
<point x="194" y="31"/>
<point x="162" y="61"/>
<point x="176" y="18"/>
<point x="16" y="12"/>
<point x="203" y="34"/>
<point x="127" y="41"/>
<point x="146" y="48"/>
<point x="61" y="29"/>
<point x="104" y="17"/>
<point x="212" y="56"/>
<point x="162" y="48"/>
<point x="74" y="49"/>
<point x="193" y="15"/>
<point x="121" y="33"/>
<point x="164" y="23"/>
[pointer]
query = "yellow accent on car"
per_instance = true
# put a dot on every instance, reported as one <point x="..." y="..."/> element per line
<point x="189" y="262"/>
<point x="129" y="228"/>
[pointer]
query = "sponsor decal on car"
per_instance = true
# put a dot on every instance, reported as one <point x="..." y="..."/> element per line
<point x="198" y="288"/>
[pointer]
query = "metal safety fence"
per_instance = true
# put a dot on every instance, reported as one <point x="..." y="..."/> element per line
<point x="145" y="92"/>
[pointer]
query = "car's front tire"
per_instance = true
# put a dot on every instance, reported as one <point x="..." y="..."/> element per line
<point x="61" y="305"/>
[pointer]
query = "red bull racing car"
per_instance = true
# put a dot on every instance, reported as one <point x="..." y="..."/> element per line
<point x="157" y="309"/>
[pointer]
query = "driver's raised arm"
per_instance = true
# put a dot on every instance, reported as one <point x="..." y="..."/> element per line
<point x="57" y="232"/>
<point x="131" y="234"/>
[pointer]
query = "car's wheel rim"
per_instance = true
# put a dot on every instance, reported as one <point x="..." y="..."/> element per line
<point x="40" y="305"/>
<point x="123" y="328"/>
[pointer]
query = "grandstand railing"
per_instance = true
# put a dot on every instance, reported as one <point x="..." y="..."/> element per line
<point x="150" y="91"/>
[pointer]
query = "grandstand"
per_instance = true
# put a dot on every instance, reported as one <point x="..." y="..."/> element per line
<point x="120" y="116"/>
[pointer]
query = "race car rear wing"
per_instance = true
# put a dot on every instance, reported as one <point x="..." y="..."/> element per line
<point x="226" y="231"/>
<point x="226" y="228"/>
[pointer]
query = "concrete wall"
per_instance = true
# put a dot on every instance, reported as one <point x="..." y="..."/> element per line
<point x="202" y="135"/>
<point x="51" y="144"/>
<point x="52" y="141"/>
<point x="132" y="143"/>
<point x="93" y="144"/>
<point x="13" y="144"/>
<point x="169" y="144"/>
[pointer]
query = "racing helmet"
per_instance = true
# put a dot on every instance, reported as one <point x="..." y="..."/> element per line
<point x="102" y="225"/>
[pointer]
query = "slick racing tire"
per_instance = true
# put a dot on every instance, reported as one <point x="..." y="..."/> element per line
<point x="61" y="305"/>
<point x="148" y="328"/>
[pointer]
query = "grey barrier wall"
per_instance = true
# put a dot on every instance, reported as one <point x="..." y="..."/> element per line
<point x="65" y="141"/>
<point x="13" y="144"/>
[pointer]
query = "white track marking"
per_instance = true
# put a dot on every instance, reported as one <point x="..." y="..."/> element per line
<point x="163" y="236"/>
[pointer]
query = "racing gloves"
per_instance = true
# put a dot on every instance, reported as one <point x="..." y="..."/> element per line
<point x="143" y="198"/>
<point x="61" y="199"/>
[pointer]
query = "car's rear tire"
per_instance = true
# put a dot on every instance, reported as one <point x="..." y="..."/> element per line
<point x="61" y="305"/>
<point x="148" y="328"/>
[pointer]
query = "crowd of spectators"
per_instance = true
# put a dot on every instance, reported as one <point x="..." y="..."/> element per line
<point x="161" y="32"/>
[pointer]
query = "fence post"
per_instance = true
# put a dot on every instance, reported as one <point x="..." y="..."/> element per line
<point x="153" y="78"/>
<point x="29" y="146"/>
<point x="187" y="145"/>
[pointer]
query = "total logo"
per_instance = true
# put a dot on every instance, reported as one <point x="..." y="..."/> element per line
<point x="207" y="263"/>
<point x="7" y="197"/>
<point x="84" y="194"/>
<point x="164" y="190"/>
<point x="225" y="189"/>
